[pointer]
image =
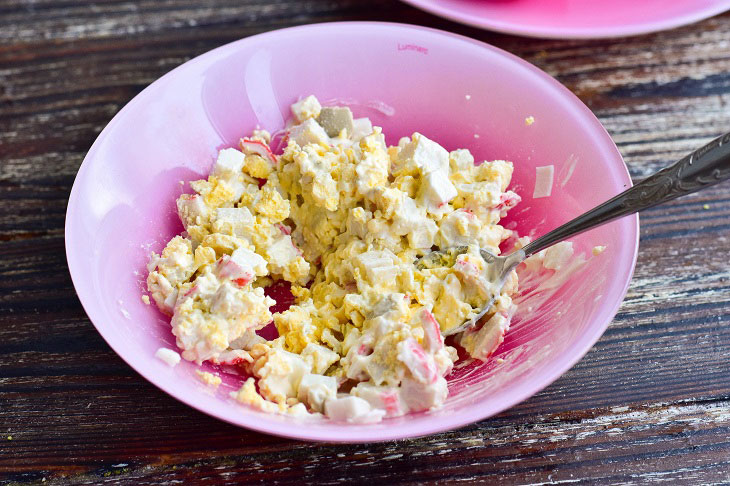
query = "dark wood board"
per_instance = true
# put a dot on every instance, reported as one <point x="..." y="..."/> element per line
<point x="649" y="403"/>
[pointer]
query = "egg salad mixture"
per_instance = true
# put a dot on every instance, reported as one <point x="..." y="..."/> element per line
<point x="343" y="217"/>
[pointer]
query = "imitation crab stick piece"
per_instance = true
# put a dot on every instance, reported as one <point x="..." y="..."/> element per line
<point x="249" y="146"/>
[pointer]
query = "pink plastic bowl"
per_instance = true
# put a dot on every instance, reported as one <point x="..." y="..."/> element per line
<point x="574" y="19"/>
<point x="457" y="91"/>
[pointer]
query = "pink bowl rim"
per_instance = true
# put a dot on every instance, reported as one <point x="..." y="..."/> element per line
<point x="554" y="32"/>
<point x="363" y="434"/>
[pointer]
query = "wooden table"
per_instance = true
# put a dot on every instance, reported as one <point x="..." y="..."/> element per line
<point x="649" y="403"/>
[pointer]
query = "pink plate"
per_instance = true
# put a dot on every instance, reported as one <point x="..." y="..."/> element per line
<point x="574" y="19"/>
<point x="457" y="91"/>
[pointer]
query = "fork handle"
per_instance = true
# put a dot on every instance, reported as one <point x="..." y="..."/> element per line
<point x="702" y="168"/>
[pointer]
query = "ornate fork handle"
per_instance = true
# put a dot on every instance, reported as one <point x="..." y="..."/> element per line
<point x="702" y="168"/>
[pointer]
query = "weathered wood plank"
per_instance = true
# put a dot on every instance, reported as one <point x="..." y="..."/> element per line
<point x="650" y="402"/>
<point x="624" y="444"/>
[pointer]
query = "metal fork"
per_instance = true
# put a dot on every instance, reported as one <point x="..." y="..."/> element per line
<point x="702" y="168"/>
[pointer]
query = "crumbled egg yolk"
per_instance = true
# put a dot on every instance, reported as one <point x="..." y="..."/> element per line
<point x="209" y="378"/>
<point x="342" y="217"/>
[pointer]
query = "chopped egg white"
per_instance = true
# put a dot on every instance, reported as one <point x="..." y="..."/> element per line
<point x="543" y="181"/>
<point x="168" y="356"/>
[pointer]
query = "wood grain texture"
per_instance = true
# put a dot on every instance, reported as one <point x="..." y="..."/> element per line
<point x="650" y="403"/>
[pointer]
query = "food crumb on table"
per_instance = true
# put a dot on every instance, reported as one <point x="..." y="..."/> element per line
<point x="529" y="120"/>
<point x="597" y="250"/>
<point x="468" y="97"/>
